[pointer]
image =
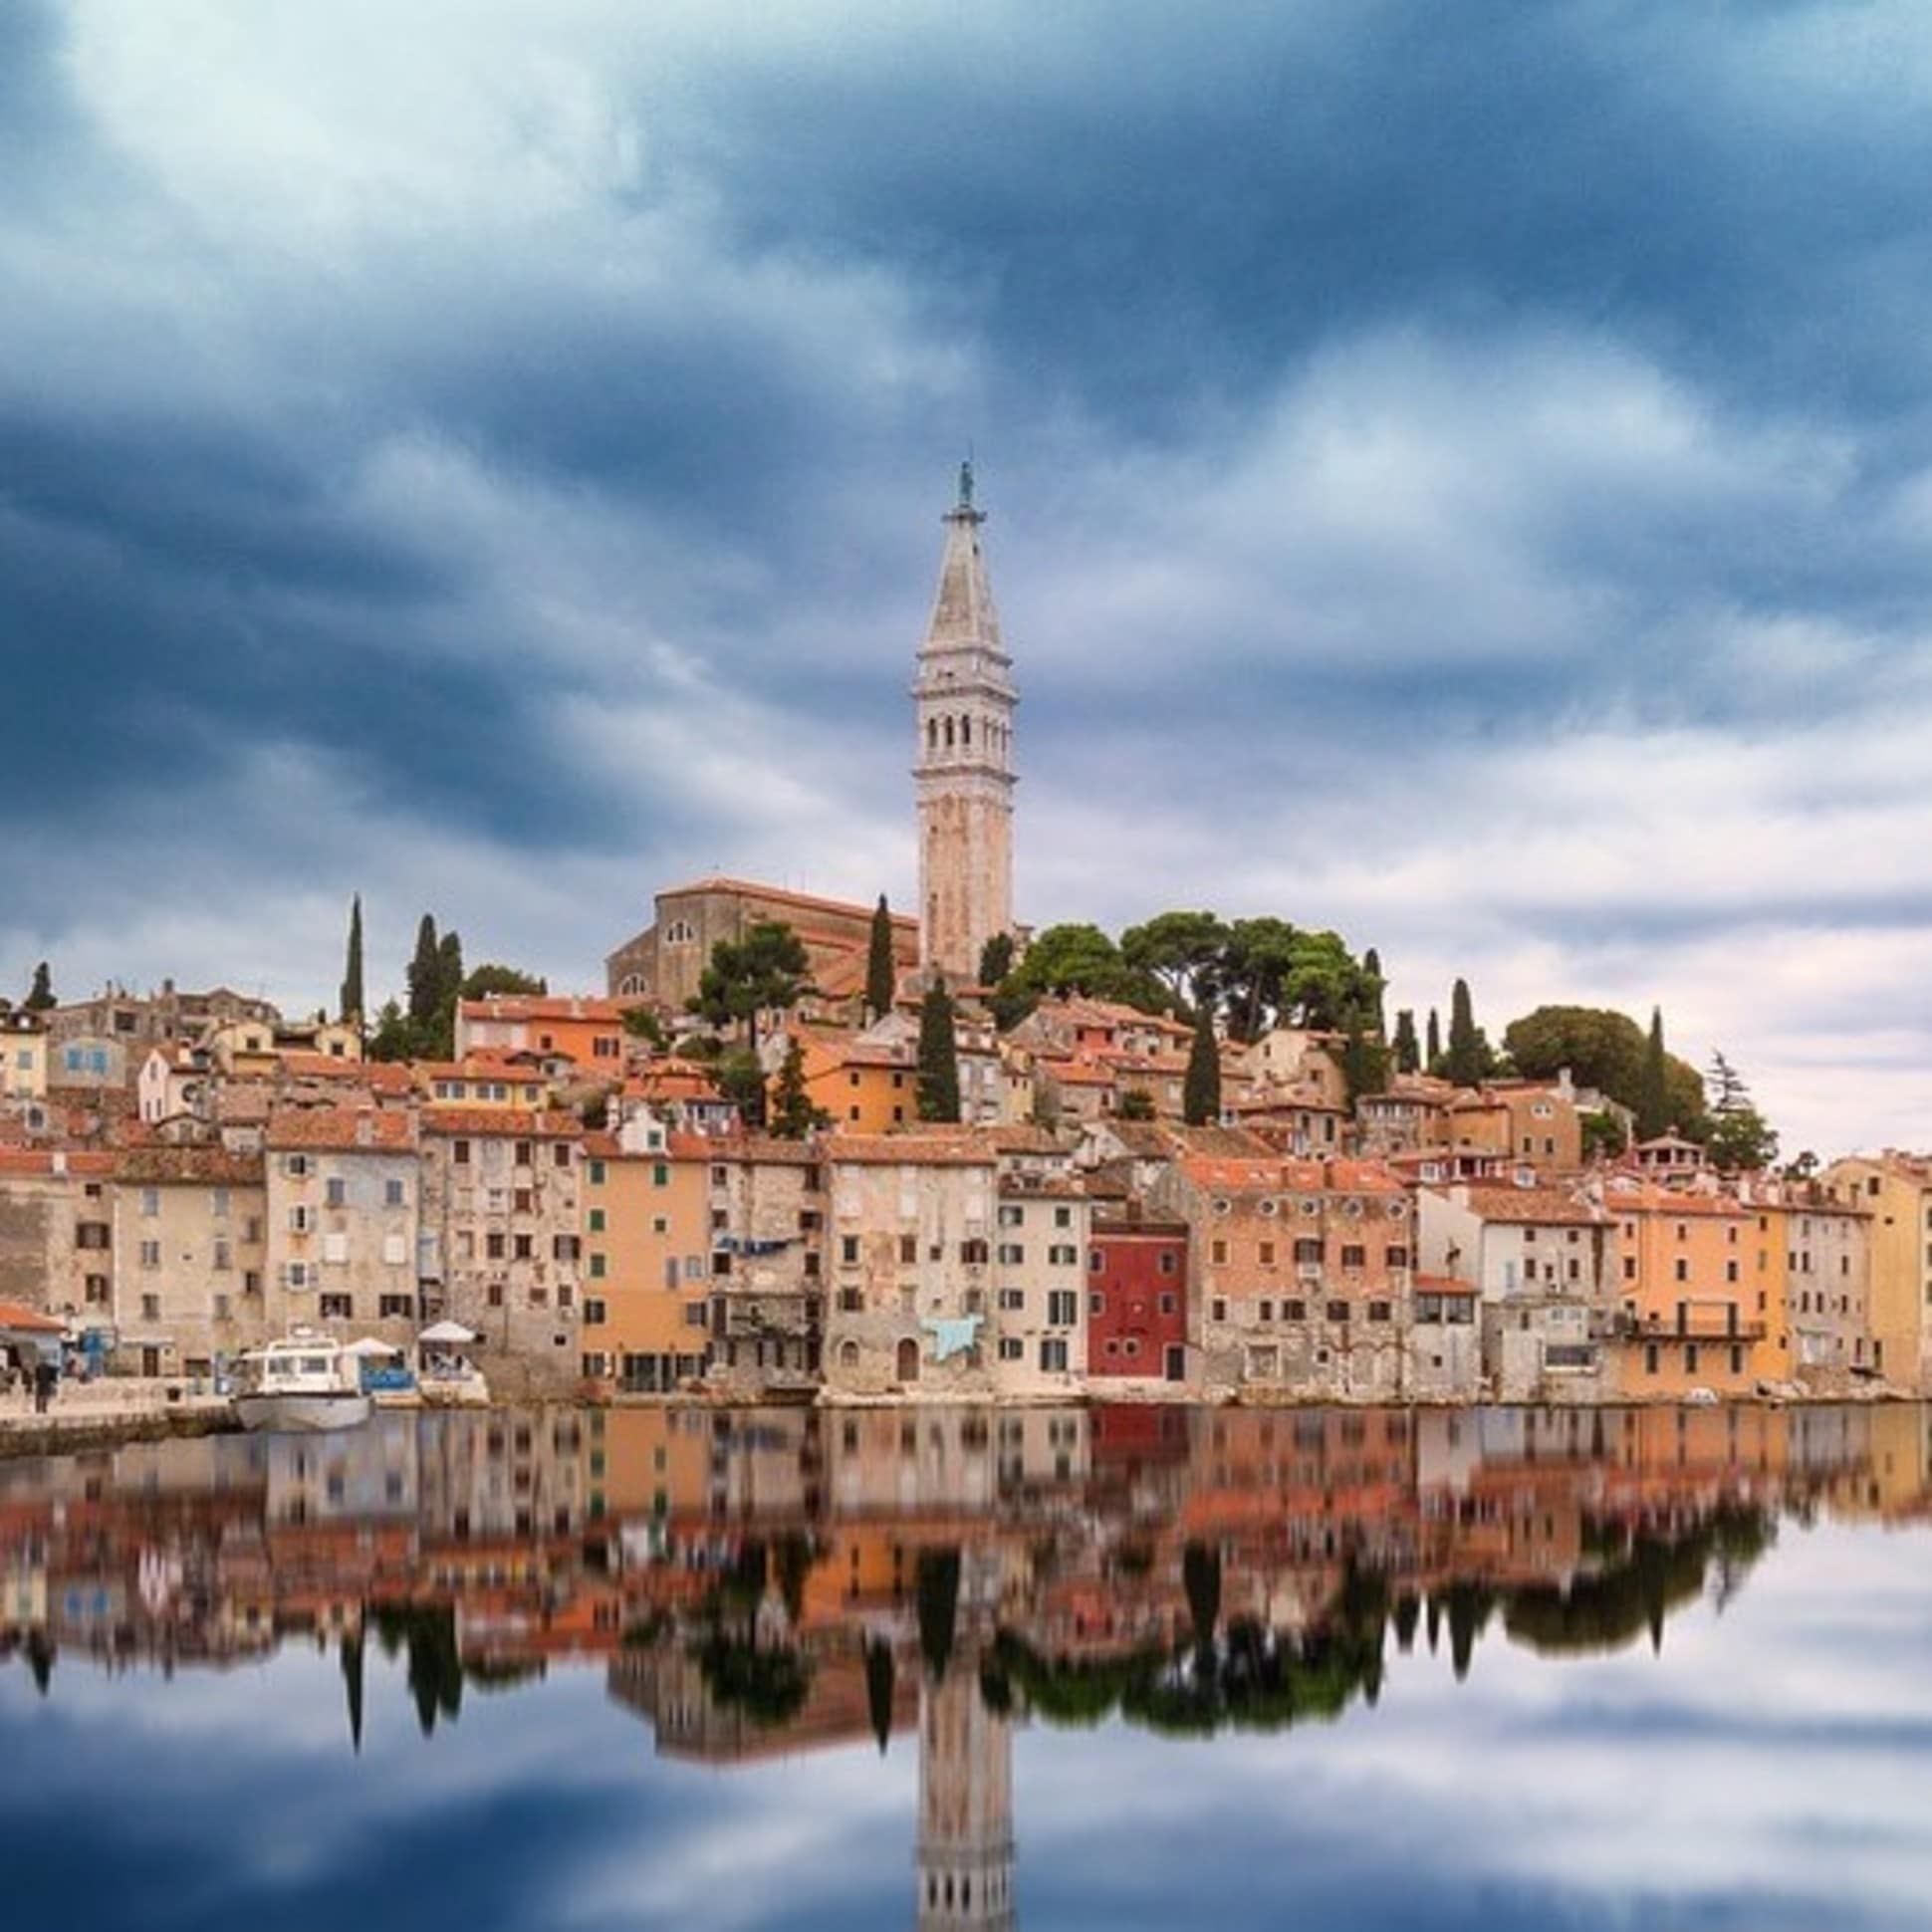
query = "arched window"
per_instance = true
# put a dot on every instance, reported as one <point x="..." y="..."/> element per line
<point x="849" y="1354"/>
<point x="631" y="982"/>
<point x="933" y="734"/>
<point x="949" y="734"/>
<point x="966" y="731"/>
<point x="679" y="933"/>
<point x="907" y="1360"/>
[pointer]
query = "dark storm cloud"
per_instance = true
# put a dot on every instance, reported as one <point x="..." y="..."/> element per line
<point x="528" y="432"/>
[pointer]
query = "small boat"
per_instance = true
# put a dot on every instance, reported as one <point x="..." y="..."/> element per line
<point x="304" y="1383"/>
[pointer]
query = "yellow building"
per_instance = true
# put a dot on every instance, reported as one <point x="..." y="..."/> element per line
<point x="1896" y="1190"/>
<point x="481" y="1079"/>
<point x="1689" y="1292"/>
<point x="23" y="1042"/>
<point x="646" y="1270"/>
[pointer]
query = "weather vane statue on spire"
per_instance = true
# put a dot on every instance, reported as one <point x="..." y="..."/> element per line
<point x="966" y="484"/>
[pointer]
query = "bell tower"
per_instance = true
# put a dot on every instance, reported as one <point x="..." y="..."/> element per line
<point x="964" y="702"/>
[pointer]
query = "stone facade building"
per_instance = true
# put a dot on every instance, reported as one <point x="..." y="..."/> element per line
<point x="1040" y="1301"/>
<point x="345" y="1188"/>
<point x="766" y="1209"/>
<point x="57" y="1250"/>
<point x="1305" y="1272"/>
<point x="190" y="1228"/>
<point x="500" y="1235"/>
<point x="911" y="1262"/>
<point x="964" y="701"/>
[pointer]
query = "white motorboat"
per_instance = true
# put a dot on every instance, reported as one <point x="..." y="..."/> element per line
<point x="304" y="1383"/>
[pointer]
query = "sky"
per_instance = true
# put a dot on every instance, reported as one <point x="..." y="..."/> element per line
<point x="1468" y="487"/>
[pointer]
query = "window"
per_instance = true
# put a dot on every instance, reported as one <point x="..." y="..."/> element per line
<point x="95" y="1290"/>
<point x="909" y="1250"/>
<point x="1218" y="1308"/>
<point x="1011" y="1348"/>
<point x="151" y="1202"/>
<point x="218" y="1203"/>
<point x="597" y="1174"/>
<point x="1012" y="1254"/>
<point x="1337" y="1310"/>
<point x="393" y="1193"/>
<point x="1063" y="1217"/>
<point x="151" y="1254"/>
<point x="973" y="1253"/>
<point x="459" y="1152"/>
<point x="295" y="1166"/>
<point x="1307" y="1254"/>
<point x="339" y="1308"/>
<point x="1354" y="1257"/>
<point x="151" y="1308"/>
<point x="224" y="1256"/>
<point x="1013" y="1297"/>
<point x="494" y="1247"/>
<point x="336" y="1191"/>
<point x="1267" y="1310"/>
<point x="396" y="1308"/>
<point x="1063" y="1254"/>
<point x="1295" y="1310"/>
<point x="1396" y="1257"/>
<point x="1379" y="1312"/>
<point x="1265" y="1254"/>
<point x="1218" y="1253"/>
<point x="1682" y="1270"/>
<point x="594" y="1313"/>
<point x="1170" y="1304"/>
<point x="523" y="1153"/>
<point x="1169" y="1261"/>
<point x="560" y="1153"/>
<point x="596" y="1221"/>
<point x="1053" y="1354"/>
<point x="1062" y="1308"/>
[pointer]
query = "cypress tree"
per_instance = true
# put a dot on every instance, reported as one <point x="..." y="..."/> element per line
<point x="996" y="959"/>
<point x="793" y="1116"/>
<point x="1371" y="968"/>
<point x="881" y="969"/>
<point x="1201" y="1088"/>
<point x="1408" y="1055"/>
<point x="938" y="1056"/>
<point x="424" y="976"/>
<point x="880" y="1670"/>
<point x="40" y="995"/>
<point x="450" y="989"/>
<point x="1653" y="1097"/>
<point x="1467" y="1058"/>
<point x="350" y="1001"/>
<point x="1434" y="1051"/>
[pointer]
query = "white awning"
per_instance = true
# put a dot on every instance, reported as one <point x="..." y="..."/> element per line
<point x="446" y="1332"/>
<point x="373" y="1345"/>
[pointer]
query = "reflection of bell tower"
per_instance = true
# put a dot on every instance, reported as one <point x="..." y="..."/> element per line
<point x="965" y="1806"/>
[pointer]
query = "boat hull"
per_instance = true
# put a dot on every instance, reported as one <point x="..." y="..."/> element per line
<point x="301" y="1414"/>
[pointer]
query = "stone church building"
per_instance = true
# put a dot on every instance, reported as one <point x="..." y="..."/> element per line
<point x="964" y="701"/>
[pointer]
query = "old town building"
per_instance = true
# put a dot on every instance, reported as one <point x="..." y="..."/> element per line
<point x="1136" y="1296"/>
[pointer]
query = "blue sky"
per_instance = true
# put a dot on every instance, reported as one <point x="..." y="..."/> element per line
<point x="1470" y="488"/>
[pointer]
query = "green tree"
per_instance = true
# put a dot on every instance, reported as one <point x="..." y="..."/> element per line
<point x="996" y="959"/>
<point x="450" y="989"/>
<point x="1408" y="1053"/>
<point x="938" y="1056"/>
<point x="1605" y="1049"/>
<point x="1365" y="1063"/>
<point x="394" y="1037"/>
<point x="1201" y="1085"/>
<point x="641" y="1023"/>
<point x="491" y="977"/>
<point x="350" y="1002"/>
<point x="40" y="995"/>
<point x="1182" y="951"/>
<point x="767" y="971"/>
<point x="1469" y="1059"/>
<point x="882" y="964"/>
<point x="1374" y="982"/>
<point x="793" y="1115"/>
<point x="1136" y="1104"/>
<point x="1741" y="1141"/>
<point x="1653" y="1093"/>
<point x="741" y="1079"/>
<point x="1432" y="1053"/>
<point x="1603" y="1134"/>
<point x="425" y="978"/>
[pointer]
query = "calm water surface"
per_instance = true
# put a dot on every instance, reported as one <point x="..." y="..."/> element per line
<point x="1120" y="1668"/>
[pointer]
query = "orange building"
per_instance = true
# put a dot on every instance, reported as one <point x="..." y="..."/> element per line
<point x="1689" y="1290"/>
<point x="864" y="1085"/>
<point x="646" y="1270"/>
<point x="587" y="1031"/>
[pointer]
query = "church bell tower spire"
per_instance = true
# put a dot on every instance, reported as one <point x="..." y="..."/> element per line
<point x="964" y="701"/>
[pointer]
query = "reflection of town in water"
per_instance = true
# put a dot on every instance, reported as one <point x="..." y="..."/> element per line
<point x="763" y="1582"/>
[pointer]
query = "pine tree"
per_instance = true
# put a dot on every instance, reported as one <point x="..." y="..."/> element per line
<point x="1433" y="1052"/>
<point x="1201" y="1086"/>
<point x="350" y="1001"/>
<point x="40" y="996"/>
<point x="1408" y="1055"/>
<point x="1653" y="1097"/>
<point x="938" y="1056"/>
<point x="791" y="1113"/>
<point x="881" y="967"/>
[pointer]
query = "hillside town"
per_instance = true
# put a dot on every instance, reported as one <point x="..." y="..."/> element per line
<point x="802" y="1148"/>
